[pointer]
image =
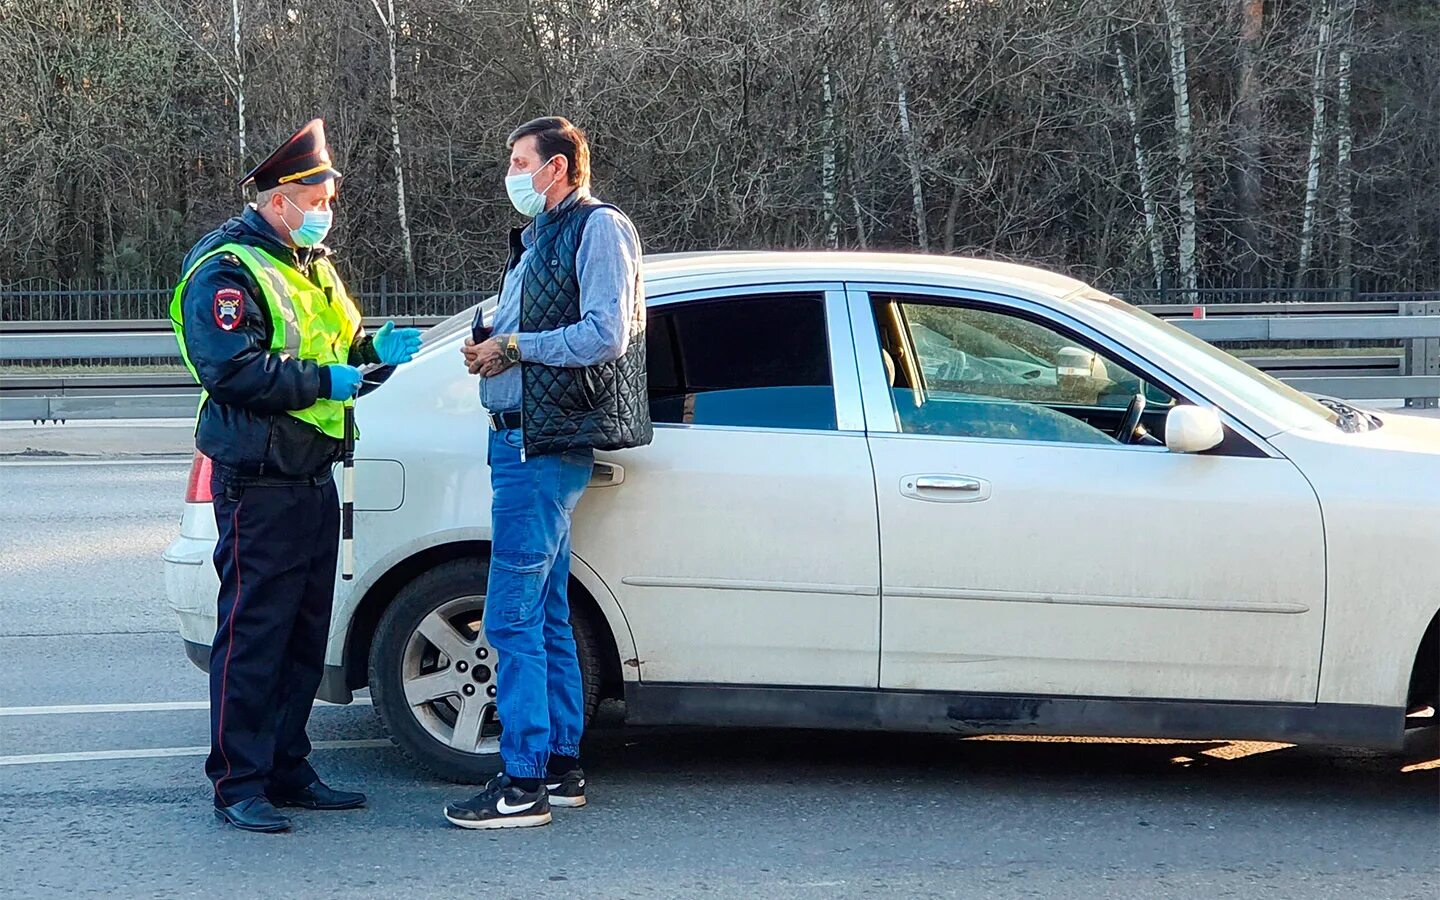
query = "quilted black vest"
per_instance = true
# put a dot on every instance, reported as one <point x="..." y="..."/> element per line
<point x="604" y="407"/>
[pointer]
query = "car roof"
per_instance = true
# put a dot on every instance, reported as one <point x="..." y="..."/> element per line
<point x="766" y="265"/>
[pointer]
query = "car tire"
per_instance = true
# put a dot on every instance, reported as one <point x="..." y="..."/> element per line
<point x="452" y="585"/>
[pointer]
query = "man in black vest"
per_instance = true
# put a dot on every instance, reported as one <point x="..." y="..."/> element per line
<point x="563" y="374"/>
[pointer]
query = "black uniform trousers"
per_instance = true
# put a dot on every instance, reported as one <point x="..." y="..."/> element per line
<point x="276" y="559"/>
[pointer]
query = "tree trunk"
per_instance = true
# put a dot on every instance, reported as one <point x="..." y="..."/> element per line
<point x="1317" y="142"/>
<point x="828" y="190"/>
<point x="1344" y="177"/>
<point x="406" y="246"/>
<point x="1142" y="167"/>
<point x="1246" y="181"/>
<point x="239" y="82"/>
<point x="951" y="215"/>
<point x="1184" y="147"/>
<point x="907" y="134"/>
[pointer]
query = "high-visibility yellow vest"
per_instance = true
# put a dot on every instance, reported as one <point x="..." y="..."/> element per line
<point x="314" y="320"/>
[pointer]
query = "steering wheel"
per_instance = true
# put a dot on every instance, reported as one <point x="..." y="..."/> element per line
<point x="1130" y="422"/>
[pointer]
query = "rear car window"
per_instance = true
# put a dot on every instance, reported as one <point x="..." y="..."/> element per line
<point x="758" y="362"/>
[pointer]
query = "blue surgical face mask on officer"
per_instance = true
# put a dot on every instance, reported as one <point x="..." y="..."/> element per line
<point x="523" y="196"/>
<point x="314" y="226"/>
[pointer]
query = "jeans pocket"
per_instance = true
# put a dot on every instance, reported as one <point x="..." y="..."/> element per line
<point x="513" y="438"/>
<point x="517" y="578"/>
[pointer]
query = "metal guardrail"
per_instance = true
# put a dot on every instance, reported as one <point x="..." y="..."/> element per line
<point x="1410" y="372"/>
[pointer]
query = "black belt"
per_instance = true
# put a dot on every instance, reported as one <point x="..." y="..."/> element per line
<point x="249" y="477"/>
<point x="505" y="421"/>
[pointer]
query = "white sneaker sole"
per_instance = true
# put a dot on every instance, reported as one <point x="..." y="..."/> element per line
<point x="501" y="822"/>
<point x="567" y="802"/>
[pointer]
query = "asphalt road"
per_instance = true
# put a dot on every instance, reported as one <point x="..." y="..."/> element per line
<point x="674" y="813"/>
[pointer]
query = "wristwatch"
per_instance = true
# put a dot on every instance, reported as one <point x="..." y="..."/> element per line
<point x="511" y="349"/>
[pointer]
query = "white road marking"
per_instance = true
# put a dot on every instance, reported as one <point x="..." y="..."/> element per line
<point x="165" y="706"/>
<point x="63" y="463"/>
<point x="35" y="759"/>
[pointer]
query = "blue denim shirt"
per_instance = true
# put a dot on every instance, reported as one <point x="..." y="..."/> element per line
<point x="607" y="263"/>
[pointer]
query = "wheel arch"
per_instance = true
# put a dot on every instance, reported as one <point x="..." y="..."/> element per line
<point x="1424" y="689"/>
<point x="588" y="595"/>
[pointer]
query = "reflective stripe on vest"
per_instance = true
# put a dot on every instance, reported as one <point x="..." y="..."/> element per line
<point x="310" y="321"/>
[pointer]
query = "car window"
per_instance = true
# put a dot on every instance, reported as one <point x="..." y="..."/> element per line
<point x="972" y="372"/>
<point x="761" y="362"/>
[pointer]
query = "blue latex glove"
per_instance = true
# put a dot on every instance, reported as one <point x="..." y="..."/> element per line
<point x="396" y="345"/>
<point x="344" y="382"/>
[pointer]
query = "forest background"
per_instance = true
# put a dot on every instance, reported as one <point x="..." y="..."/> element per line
<point x="1195" y="144"/>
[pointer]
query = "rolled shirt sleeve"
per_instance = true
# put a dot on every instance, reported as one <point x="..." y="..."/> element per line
<point x="607" y="263"/>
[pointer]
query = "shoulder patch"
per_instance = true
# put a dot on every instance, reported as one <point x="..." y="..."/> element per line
<point x="229" y="308"/>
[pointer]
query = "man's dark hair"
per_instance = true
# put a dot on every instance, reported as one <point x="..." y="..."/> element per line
<point x="557" y="136"/>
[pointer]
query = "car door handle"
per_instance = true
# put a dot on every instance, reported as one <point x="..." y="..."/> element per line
<point x="945" y="488"/>
<point x="946" y="483"/>
<point x="606" y="474"/>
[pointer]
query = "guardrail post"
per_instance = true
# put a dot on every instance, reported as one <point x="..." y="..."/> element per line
<point x="1424" y="355"/>
<point x="384" y="298"/>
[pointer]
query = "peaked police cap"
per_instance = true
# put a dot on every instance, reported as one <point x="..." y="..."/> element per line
<point x="303" y="159"/>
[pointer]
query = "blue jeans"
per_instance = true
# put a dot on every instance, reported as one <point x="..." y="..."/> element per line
<point x="540" y="696"/>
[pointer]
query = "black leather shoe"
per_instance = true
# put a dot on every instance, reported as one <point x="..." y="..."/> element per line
<point x="253" y="814"/>
<point x="318" y="796"/>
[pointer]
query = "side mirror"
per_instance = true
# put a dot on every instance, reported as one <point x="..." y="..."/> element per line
<point x="1193" y="429"/>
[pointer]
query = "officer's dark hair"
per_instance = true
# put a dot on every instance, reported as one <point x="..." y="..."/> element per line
<point x="558" y="136"/>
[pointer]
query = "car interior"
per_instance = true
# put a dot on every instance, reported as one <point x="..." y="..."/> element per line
<point x="974" y="372"/>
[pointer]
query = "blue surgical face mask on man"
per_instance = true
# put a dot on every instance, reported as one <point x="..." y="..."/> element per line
<point x="314" y="225"/>
<point x="523" y="196"/>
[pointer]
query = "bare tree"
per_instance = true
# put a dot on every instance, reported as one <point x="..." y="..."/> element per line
<point x="1318" y="84"/>
<point x="829" y="191"/>
<point x="389" y="22"/>
<point x="1345" y="142"/>
<point x="239" y="81"/>
<point x="1142" y="167"/>
<point x="1247" y="106"/>
<point x="1184" y="145"/>
<point x="907" y="133"/>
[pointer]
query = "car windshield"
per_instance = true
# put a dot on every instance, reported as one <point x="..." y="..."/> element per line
<point x="1270" y="396"/>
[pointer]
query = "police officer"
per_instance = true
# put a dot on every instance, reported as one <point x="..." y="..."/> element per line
<point x="267" y="328"/>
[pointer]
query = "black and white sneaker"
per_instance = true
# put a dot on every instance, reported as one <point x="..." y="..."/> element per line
<point x="567" y="790"/>
<point x="501" y="805"/>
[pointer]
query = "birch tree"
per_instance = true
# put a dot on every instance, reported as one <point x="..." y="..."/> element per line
<point x="1318" y="79"/>
<point x="828" y="190"/>
<point x="907" y="133"/>
<point x="390" y="34"/>
<point x="1344" y="177"/>
<point x="239" y="80"/>
<point x="1184" y="145"/>
<point x="1142" y="166"/>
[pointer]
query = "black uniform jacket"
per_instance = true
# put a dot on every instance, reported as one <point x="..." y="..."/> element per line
<point x="244" y="426"/>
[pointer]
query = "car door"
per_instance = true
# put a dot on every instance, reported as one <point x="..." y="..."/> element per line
<point x="1026" y="550"/>
<point x="742" y="543"/>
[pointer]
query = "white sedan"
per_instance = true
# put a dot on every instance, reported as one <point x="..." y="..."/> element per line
<point x="909" y="493"/>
